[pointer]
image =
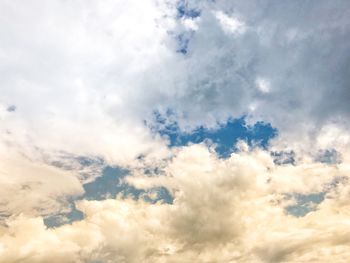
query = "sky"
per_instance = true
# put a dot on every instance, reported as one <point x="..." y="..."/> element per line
<point x="174" y="131"/>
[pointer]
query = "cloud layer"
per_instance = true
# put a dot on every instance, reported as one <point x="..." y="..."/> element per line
<point x="230" y="210"/>
<point x="81" y="83"/>
<point x="99" y="70"/>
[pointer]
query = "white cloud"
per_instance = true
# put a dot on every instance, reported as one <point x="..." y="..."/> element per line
<point x="229" y="24"/>
<point x="191" y="23"/>
<point x="34" y="188"/>
<point x="263" y="85"/>
<point x="73" y="71"/>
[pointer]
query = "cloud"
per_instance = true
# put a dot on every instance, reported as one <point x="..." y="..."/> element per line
<point x="34" y="188"/>
<point x="230" y="24"/>
<point x="81" y="79"/>
<point x="263" y="85"/>
<point x="74" y="70"/>
<point x="301" y="56"/>
<point x="85" y="76"/>
<point x="223" y="210"/>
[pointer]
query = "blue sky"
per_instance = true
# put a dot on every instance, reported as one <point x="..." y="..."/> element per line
<point x="225" y="136"/>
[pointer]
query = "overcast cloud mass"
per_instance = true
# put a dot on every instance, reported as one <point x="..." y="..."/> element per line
<point x="174" y="131"/>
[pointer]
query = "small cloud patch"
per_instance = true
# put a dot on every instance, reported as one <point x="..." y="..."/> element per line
<point x="263" y="85"/>
<point x="230" y="25"/>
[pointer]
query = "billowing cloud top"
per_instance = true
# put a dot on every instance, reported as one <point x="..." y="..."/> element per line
<point x="229" y="119"/>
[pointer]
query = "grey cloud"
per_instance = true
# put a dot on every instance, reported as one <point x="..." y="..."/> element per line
<point x="300" y="47"/>
<point x="91" y="73"/>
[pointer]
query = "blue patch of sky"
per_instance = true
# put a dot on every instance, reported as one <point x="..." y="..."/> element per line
<point x="304" y="203"/>
<point x="283" y="157"/>
<point x="224" y="137"/>
<point x="329" y="156"/>
<point x="107" y="186"/>
<point x="64" y="218"/>
<point x="183" y="40"/>
<point x="111" y="183"/>
<point x="185" y="11"/>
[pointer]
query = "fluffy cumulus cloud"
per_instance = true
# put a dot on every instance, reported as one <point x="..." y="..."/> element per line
<point x="90" y="84"/>
<point x="224" y="210"/>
